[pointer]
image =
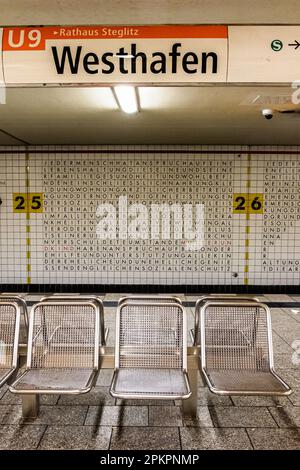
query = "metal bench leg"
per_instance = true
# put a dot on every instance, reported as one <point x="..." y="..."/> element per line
<point x="189" y="406"/>
<point x="30" y="406"/>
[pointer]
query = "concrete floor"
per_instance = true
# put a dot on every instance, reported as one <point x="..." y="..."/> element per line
<point x="98" y="421"/>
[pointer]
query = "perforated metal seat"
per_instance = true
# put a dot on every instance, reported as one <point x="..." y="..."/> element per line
<point x="151" y="353"/>
<point x="169" y="383"/>
<point x="9" y="339"/>
<point x="63" y="349"/>
<point x="236" y="349"/>
<point x="24" y="321"/>
<point x="83" y="298"/>
<point x="196" y="331"/>
<point x="55" y="380"/>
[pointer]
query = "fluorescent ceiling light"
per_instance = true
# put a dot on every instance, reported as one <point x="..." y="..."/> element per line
<point x="127" y="98"/>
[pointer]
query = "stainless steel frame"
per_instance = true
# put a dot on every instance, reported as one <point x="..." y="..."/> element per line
<point x="182" y="372"/>
<point x="195" y="333"/>
<point x="79" y="298"/>
<point x="149" y="298"/>
<point x="282" y="387"/>
<point x="16" y="298"/>
<point x="14" y="358"/>
<point x="90" y="373"/>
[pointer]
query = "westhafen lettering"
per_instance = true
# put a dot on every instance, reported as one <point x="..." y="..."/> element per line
<point x="129" y="61"/>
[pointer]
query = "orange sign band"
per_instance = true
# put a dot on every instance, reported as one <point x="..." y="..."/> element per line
<point x="34" y="39"/>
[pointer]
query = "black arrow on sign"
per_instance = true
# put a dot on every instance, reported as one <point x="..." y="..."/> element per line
<point x="296" y="44"/>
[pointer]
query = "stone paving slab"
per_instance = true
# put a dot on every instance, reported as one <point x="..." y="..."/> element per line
<point x="275" y="439"/>
<point x="76" y="437"/>
<point x="150" y="438"/>
<point x="117" y="416"/>
<point x="214" y="439"/>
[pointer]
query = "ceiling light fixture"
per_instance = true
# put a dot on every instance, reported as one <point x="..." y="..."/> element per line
<point x="127" y="98"/>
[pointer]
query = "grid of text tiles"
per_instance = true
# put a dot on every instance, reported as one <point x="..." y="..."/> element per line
<point x="154" y="217"/>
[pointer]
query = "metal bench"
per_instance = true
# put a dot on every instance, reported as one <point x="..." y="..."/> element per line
<point x="149" y="298"/>
<point x="23" y="335"/>
<point x="63" y="349"/>
<point x="196" y="337"/>
<point x="151" y="352"/>
<point x="83" y="298"/>
<point x="236" y="349"/>
<point x="10" y="314"/>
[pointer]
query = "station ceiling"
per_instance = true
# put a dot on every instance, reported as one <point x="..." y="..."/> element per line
<point x="168" y="115"/>
<point x="59" y="12"/>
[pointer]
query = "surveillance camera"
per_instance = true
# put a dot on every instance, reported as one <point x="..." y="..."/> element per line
<point x="268" y="113"/>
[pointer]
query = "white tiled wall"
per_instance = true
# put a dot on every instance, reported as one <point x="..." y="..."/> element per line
<point x="12" y="226"/>
<point x="65" y="247"/>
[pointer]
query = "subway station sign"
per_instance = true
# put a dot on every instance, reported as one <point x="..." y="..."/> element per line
<point x="149" y="54"/>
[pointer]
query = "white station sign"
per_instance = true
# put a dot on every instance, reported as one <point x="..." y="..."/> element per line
<point x="110" y="54"/>
<point x="150" y="54"/>
<point x="264" y="54"/>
